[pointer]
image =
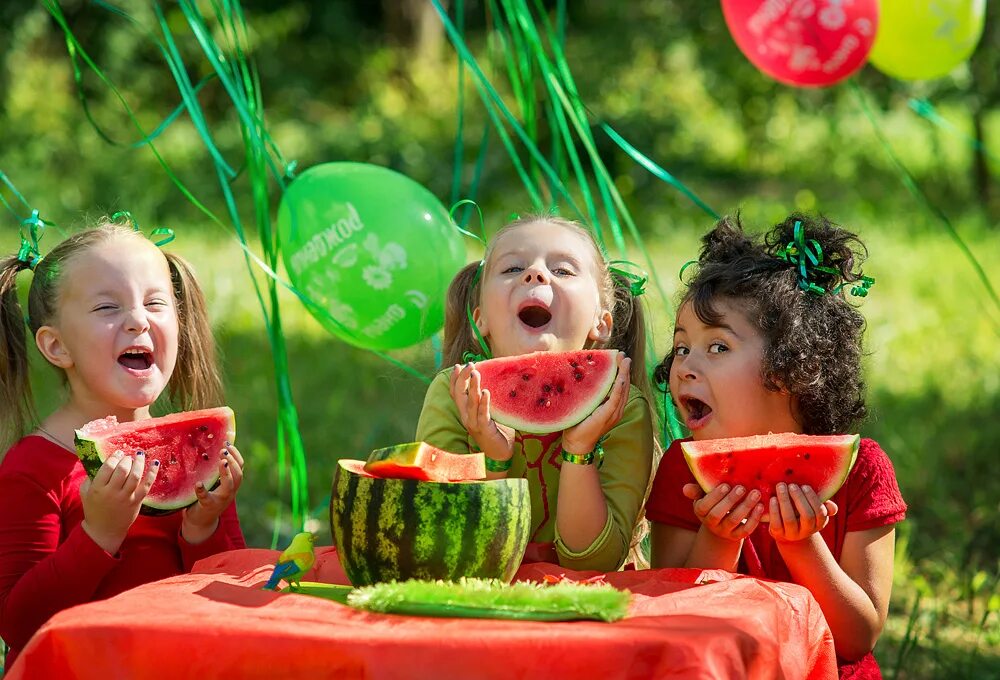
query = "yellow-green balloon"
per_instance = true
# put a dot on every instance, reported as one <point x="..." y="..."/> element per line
<point x="924" y="39"/>
<point x="373" y="250"/>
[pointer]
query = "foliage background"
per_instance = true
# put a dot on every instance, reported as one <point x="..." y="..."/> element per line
<point x="376" y="82"/>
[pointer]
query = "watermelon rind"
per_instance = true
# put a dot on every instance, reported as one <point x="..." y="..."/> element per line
<point x="787" y="444"/>
<point x="94" y="444"/>
<point x="524" y="422"/>
<point x="397" y="529"/>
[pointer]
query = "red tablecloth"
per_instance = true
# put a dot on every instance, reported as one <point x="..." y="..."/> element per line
<point x="217" y="623"/>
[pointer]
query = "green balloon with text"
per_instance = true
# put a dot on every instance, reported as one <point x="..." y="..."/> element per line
<point x="371" y="251"/>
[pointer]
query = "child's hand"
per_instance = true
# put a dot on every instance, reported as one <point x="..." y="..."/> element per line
<point x="202" y="518"/>
<point x="495" y="440"/>
<point x="112" y="499"/>
<point x="583" y="437"/>
<point x="725" y="512"/>
<point x="797" y="512"/>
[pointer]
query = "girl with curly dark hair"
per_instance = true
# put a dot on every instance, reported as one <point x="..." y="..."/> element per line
<point x="765" y="340"/>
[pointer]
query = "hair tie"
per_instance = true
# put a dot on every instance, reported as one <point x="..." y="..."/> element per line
<point x="807" y="257"/>
<point x="31" y="233"/>
<point x="636" y="282"/>
<point x="165" y="232"/>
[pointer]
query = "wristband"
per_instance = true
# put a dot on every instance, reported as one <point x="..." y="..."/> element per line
<point x="494" y="465"/>
<point x="587" y="458"/>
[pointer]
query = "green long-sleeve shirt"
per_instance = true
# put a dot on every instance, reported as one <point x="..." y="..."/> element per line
<point x="628" y="459"/>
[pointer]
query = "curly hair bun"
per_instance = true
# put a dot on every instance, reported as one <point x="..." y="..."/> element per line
<point x="727" y="242"/>
<point x="835" y="247"/>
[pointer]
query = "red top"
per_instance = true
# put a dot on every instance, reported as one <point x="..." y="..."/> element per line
<point x="869" y="498"/>
<point x="48" y="562"/>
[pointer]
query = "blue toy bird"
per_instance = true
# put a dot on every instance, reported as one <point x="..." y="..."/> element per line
<point x="297" y="559"/>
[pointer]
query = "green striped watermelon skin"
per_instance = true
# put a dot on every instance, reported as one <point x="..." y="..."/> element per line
<point x="396" y="529"/>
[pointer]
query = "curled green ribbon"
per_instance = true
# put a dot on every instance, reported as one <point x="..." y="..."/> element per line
<point x="808" y="258"/>
<point x="807" y="255"/>
<point x="636" y="282"/>
<point x="166" y="233"/>
<point x="31" y="232"/>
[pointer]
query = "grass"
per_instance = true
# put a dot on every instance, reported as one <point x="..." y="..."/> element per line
<point x="934" y="393"/>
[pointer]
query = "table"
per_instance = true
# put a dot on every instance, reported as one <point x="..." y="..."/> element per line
<point x="217" y="623"/>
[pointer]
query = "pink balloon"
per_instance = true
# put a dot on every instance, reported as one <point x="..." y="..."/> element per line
<point x="804" y="42"/>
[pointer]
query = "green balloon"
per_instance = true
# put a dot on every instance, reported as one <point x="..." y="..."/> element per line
<point x="373" y="251"/>
<point x="924" y="39"/>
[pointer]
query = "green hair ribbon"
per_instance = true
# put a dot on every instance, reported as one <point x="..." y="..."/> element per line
<point x="636" y="282"/>
<point x="31" y="232"/>
<point x="807" y="255"/>
<point x="159" y="236"/>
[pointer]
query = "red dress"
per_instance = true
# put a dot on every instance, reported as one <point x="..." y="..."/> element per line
<point x="48" y="562"/>
<point x="869" y="498"/>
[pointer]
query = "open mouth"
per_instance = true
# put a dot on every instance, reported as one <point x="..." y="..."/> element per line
<point x="534" y="316"/>
<point x="136" y="359"/>
<point x="697" y="410"/>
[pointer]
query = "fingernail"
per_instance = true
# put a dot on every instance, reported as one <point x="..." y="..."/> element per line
<point x="807" y="488"/>
<point x="156" y="463"/>
<point x="725" y="488"/>
<point x="140" y="453"/>
<point x="200" y="485"/>
<point x="794" y="487"/>
<point x="739" y="490"/>
<point x="225" y="464"/>
<point x="225" y="452"/>
<point x="228" y="443"/>
<point x="754" y="495"/>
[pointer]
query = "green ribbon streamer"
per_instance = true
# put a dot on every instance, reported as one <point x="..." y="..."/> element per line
<point x="911" y="184"/>
<point x="926" y="109"/>
<point x="656" y="170"/>
<point x="486" y="354"/>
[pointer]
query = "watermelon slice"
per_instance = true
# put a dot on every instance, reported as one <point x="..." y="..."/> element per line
<point x="761" y="461"/>
<point x="419" y="460"/>
<point x="546" y="392"/>
<point x="187" y="445"/>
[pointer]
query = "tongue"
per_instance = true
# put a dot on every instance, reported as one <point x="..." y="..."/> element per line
<point x="134" y="361"/>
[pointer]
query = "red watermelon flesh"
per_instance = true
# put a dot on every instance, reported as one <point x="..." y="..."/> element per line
<point x="188" y="446"/>
<point x="761" y="461"/>
<point x="419" y="460"/>
<point x="546" y="392"/>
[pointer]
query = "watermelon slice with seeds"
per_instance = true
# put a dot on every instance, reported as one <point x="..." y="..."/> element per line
<point x="188" y="446"/>
<point x="419" y="460"/>
<point x="546" y="392"/>
<point x="761" y="461"/>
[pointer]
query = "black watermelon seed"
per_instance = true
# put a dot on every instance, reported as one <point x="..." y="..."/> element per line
<point x="542" y="401"/>
<point x="789" y="471"/>
<point x="559" y="389"/>
<point x="806" y="456"/>
<point x="546" y="388"/>
<point x="203" y="428"/>
<point x="525" y="377"/>
<point x="590" y="357"/>
<point x="205" y="456"/>
<point x="759" y="476"/>
<point x="513" y="393"/>
<point x="574" y="364"/>
<point x="578" y="376"/>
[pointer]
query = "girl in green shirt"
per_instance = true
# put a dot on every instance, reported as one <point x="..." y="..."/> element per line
<point x="544" y="285"/>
